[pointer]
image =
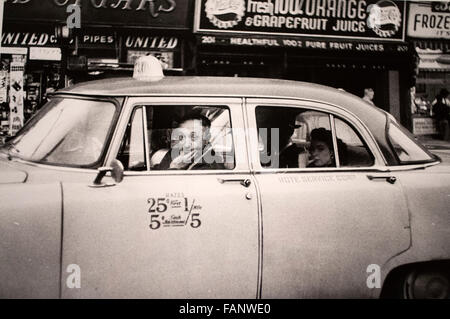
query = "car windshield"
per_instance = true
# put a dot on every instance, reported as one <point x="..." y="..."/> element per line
<point x="67" y="131"/>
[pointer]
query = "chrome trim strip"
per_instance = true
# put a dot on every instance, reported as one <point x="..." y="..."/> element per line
<point x="334" y="137"/>
<point x="56" y="168"/>
<point x="380" y="169"/>
<point x="186" y="172"/>
<point x="372" y="169"/>
<point x="117" y="135"/>
<point x="184" y="99"/>
<point x="247" y="135"/>
<point x="412" y="167"/>
<point x="146" y="144"/>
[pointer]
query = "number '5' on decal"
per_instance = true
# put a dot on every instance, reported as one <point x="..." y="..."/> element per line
<point x="154" y="222"/>
<point x="196" y="222"/>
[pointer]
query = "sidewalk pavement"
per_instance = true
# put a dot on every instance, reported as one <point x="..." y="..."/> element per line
<point x="433" y="143"/>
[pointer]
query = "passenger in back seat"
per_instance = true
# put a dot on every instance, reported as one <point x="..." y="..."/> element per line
<point x="322" y="150"/>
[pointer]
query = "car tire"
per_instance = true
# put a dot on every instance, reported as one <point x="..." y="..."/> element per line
<point x="420" y="281"/>
<point x="426" y="283"/>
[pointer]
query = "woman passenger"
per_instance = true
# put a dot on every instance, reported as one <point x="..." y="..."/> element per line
<point x="322" y="151"/>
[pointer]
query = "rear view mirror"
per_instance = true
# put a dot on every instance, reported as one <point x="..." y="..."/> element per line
<point x="116" y="170"/>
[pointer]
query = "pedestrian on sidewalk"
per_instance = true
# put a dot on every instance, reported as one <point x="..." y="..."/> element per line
<point x="441" y="110"/>
<point x="368" y="95"/>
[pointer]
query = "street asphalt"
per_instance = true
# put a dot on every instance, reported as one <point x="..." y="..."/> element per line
<point x="439" y="147"/>
<point x="433" y="143"/>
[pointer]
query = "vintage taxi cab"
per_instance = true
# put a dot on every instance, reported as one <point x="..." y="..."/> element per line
<point x="93" y="206"/>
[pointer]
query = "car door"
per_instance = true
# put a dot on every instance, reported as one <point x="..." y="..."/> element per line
<point x="165" y="233"/>
<point x="323" y="227"/>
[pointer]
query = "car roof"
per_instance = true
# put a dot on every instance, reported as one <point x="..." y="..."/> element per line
<point x="372" y="116"/>
<point x="225" y="86"/>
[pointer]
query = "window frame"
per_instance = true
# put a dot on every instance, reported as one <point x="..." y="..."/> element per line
<point x="128" y="129"/>
<point x="232" y="104"/>
<point x="117" y="102"/>
<point x="379" y="163"/>
<point x="358" y="134"/>
<point x="433" y="158"/>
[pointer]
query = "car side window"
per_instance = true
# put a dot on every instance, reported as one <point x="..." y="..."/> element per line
<point x="405" y="146"/>
<point x="181" y="137"/>
<point x="284" y="135"/>
<point x="353" y="152"/>
<point x="302" y="138"/>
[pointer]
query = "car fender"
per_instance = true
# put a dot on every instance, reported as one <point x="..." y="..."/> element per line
<point x="428" y="196"/>
<point x="30" y="240"/>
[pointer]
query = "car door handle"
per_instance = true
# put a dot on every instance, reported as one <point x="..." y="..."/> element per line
<point x="389" y="179"/>
<point x="243" y="181"/>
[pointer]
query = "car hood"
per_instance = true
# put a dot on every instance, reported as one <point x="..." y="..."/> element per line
<point x="11" y="175"/>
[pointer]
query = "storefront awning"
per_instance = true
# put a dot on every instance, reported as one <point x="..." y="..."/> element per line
<point x="433" y="60"/>
<point x="434" y="67"/>
<point x="443" y="45"/>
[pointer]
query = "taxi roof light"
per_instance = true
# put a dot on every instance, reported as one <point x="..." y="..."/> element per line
<point x="148" y="68"/>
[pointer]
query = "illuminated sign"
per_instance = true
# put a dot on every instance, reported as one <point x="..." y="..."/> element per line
<point x="356" y="19"/>
<point x="313" y="43"/>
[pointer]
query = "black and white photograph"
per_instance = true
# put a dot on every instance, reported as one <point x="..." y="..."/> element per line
<point x="241" y="151"/>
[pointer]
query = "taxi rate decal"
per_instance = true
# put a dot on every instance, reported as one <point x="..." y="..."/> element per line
<point x="173" y="210"/>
